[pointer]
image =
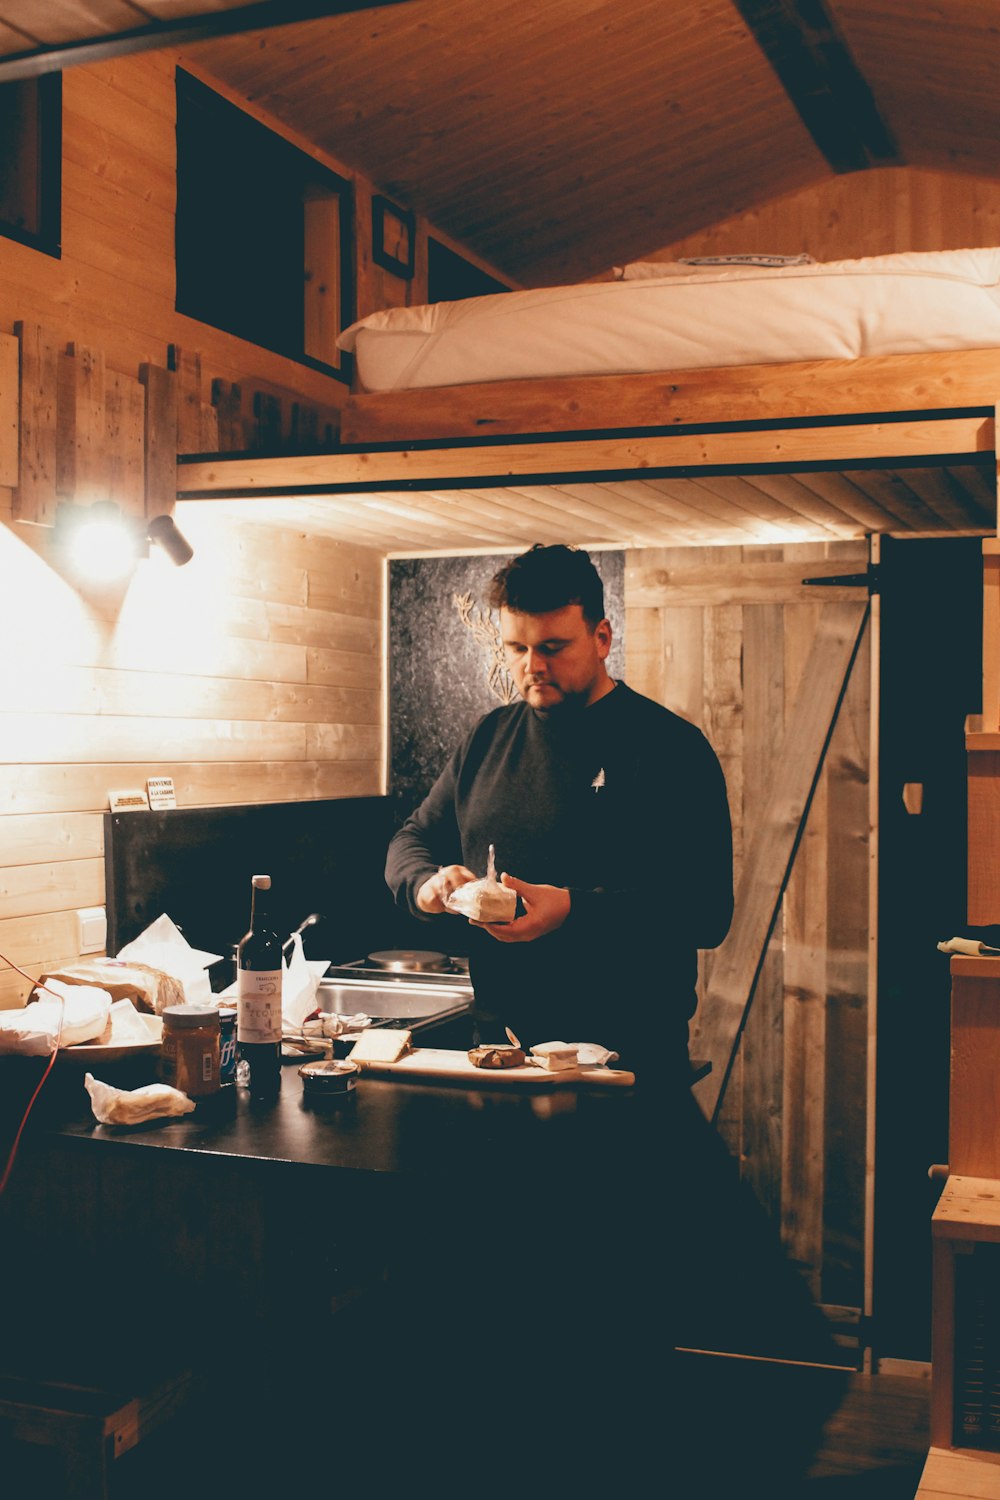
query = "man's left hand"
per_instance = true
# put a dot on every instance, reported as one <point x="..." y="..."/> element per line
<point x="546" y="907"/>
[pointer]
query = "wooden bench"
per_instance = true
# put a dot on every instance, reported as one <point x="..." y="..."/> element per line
<point x="89" y="1426"/>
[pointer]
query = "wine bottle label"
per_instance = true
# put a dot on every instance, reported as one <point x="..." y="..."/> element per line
<point x="259" y="1012"/>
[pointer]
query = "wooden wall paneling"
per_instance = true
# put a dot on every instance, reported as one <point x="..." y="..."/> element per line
<point x="186" y="363"/>
<point x="847" y="931"/>
<point x="983" y="749"/>
<point x="991" y="634"/>
<point x="82" y="469"/>
<point x="9" y="410"/>
<point x="717" y="1027"/>
<point x="160" y="438"/>
<point x="125" y="416"/>
<point x="51" y="836"/>
<point x="880" y="211"/>
<point x="805" y="1020"/>
<point x="228" y="402"/>
<point x="722" y="721"/>
<point x="39" y="789"/>
<point x="35" y="498"/>
<point x="762" y="1048"/>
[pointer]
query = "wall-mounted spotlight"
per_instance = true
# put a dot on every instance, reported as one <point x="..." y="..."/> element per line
<point x="163" y="531"/>
<point x="99" y="542"/>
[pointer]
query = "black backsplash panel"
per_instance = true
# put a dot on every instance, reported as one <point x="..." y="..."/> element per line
<point x="438" y="670"/>
<point x="195" y="865"/>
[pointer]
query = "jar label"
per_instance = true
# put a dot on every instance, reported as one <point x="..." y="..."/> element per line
<point x="259" y="1013"/>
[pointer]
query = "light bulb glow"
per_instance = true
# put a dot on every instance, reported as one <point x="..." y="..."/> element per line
<point x="102" y="549"/>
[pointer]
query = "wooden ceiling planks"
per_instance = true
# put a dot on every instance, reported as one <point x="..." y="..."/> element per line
<point x="703" y="512"/>
<point x="933" y="70"/>
<point x="513" y="129"/>
<point x="556" y="139"/>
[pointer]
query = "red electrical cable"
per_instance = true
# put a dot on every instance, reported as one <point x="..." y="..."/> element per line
<point x="38" y="1087"/>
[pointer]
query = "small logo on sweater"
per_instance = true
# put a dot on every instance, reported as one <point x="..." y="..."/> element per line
<point x="599" y="780"/>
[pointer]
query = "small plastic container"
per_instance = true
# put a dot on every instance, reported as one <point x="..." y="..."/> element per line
<point x="190" y="1050"/>
<point x="328" y="1081"/>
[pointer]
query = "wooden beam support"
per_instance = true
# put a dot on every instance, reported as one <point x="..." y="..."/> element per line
<point x="583" y="459"/>
<point x="173" y="32"/>
<point x="9" y="409"/>
<point x="943" y="380"/>
<point x="803" y="44"/>
<point x="161" y="438"/>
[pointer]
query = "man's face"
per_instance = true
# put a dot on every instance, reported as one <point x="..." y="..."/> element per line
<point x="558" y="657"/>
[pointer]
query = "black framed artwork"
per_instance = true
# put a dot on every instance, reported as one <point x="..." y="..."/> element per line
<point x="394" y="233"/>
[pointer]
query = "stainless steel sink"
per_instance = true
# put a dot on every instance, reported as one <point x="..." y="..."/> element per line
<point x="393" y="1001"/>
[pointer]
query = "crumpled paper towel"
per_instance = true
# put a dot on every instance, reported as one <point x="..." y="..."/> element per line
<point x="559" y="1055"/>
<point x="155" y="1101"/>
<point x="163" y="946"/>
<point x="75" y="1013"/>
<point x="971" y="946"/>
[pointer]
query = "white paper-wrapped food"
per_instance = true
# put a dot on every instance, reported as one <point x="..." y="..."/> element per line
<point x="73" y="1013"/>
<point x="484" y="900"/>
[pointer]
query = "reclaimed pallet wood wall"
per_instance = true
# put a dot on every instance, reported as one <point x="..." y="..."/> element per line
<point x="731" y="638"/>
<point x="253" y="674"/>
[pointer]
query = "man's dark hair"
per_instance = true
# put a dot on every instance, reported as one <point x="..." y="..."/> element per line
<point x="547" y="578"/>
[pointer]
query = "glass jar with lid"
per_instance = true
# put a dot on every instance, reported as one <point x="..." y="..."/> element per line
<point x="189" y="1051"/>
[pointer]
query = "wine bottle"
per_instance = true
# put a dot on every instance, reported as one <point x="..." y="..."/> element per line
<point x="258" y="1011"/>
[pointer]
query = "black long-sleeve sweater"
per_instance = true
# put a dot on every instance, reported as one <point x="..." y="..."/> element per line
<point x="624" y="803"/>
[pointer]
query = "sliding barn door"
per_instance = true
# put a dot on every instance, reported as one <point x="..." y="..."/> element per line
<point x="776" y="672"/>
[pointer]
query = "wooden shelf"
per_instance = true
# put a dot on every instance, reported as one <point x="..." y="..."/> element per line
<point x="968" y="1209"/>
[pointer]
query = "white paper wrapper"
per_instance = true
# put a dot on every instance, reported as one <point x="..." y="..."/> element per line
<point x="156" y="1101"/>
<point x="163" y="946"/>
<point x="80" y="1016"/>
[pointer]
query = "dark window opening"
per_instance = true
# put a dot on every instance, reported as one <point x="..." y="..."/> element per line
<point x="263" y="233"/>
<point x="450" y="277"/>
<point x="31" y="161"/>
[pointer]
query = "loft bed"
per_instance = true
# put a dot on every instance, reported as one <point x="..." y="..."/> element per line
<point x="707" y="368"/>
<point x="709" y="342"/>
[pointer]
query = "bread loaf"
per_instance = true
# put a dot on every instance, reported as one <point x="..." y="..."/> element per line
<point x="148" y="989"/>
<point x="500" y="1056"/>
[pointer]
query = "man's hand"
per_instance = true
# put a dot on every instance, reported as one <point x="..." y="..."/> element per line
<point x="546" y="907"/>
<point x="435" y="891"/>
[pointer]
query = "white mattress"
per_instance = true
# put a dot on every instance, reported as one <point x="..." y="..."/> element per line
<point x="698" y="318"/>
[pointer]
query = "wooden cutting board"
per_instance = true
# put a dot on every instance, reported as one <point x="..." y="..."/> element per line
<point x="439" y="1064"/>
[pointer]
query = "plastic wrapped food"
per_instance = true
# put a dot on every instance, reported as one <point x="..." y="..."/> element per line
<point x="484" y="900"/>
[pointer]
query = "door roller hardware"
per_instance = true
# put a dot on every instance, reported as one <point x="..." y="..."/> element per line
<point x="868" y="580"/>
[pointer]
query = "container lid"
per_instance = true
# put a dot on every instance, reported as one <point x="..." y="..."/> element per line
<point x="227" y="1012"/>
<point x="190" y="1015"/>
<point x="330" y="1077"/>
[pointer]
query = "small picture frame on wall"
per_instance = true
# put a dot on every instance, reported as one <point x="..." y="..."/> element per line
<point x="393" y="237"/>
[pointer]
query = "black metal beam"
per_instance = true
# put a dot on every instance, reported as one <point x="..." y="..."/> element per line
<point x="802" y="43"/>
<point x="177" y="32"/>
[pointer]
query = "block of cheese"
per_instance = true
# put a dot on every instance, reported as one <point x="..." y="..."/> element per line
<point x="380" y="1045"/>
<point x="148" y="989"/>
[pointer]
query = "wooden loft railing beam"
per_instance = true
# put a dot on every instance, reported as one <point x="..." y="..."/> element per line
<point x="801" y="41"/>
<point x="947" y="439"/>
<point x="175" y="32"/>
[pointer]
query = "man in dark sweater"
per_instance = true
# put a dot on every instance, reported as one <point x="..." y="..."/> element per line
<point x="608" y="811"/>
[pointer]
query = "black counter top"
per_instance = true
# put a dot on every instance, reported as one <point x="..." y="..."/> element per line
<point x="409" y="1129"/>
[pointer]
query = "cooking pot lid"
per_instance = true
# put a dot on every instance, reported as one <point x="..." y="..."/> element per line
<point x="409" y="960"/>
